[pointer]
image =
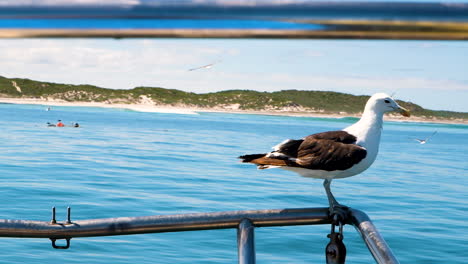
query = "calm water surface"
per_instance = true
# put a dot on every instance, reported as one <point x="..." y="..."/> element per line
<point x="124" y="163"/>
<point x="90" y="23"/>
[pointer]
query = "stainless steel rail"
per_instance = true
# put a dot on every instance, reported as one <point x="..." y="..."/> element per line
<point x="374" y="241"/>
<point x="244" y="221"/>
<point x="162" y="223"/>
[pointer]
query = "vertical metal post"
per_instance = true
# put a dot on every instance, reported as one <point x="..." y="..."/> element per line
<point x="53" y="221"/>
<point x="245" y="242"/>
<point x="68" y="216"/>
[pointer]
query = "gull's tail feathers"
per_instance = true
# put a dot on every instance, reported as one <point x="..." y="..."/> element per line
<point x="263" y="161"/>
<point x="251" y="157"/>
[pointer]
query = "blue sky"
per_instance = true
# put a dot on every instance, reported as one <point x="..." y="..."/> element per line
<point x="429" y="73"/>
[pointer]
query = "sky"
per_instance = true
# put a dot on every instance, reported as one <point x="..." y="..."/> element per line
<point x="432" y="74"/>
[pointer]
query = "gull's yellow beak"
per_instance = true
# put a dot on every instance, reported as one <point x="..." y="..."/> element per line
<point x="403" y="111"/>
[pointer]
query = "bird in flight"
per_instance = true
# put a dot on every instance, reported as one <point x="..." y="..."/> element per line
<point x="333" y="154"/>
<point x="207" y="66"/>
<point x="424" y="141"/>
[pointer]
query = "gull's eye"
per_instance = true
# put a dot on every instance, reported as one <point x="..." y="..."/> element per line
<point x="387" y="101"/>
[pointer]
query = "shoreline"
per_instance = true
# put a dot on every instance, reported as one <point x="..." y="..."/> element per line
<point x="150" y="108"/>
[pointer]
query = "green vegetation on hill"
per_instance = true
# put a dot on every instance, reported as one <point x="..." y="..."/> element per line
<point x="287" y="100"/>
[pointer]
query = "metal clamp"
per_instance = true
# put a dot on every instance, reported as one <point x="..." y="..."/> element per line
<point x="335" y="251"/>
<point x="54" y="222"/>
<point x="54" y="245"/>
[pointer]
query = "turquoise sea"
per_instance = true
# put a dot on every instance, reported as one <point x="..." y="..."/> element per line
<point x="90" y="23"/>
<point x="124" y="163"/>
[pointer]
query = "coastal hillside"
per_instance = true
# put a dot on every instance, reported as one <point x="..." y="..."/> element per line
<point x="282" y="101"/>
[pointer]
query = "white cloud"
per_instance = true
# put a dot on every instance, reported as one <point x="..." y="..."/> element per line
<point x="283" y="81"/>
<point x="108" y="63"/>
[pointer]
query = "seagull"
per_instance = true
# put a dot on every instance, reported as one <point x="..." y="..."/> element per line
<point x="333" y="154"/>
<point x="424" y="141"/>
<point x="208" y="66"/>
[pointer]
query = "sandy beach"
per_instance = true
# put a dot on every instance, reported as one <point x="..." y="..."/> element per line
<point x="195" y="110"/>
<point x="133" y="107"/>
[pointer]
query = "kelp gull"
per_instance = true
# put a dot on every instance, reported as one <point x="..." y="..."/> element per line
<point x="424" y="141"/>
<point x="333" y="154"/>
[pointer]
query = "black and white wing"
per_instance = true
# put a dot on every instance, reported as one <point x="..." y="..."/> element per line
<point x="329" y="151"/>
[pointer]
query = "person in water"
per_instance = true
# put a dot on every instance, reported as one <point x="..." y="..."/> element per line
<point x="60" y="124"/>
<point x="50" y="125"/>
<point x="76" y="125"/>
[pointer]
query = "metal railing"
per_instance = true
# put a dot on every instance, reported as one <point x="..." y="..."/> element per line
<point x="244" y="221"/>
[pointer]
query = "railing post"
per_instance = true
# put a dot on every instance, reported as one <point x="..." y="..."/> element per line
<point x="374" y="241"/>
<point x="245" y="242"/>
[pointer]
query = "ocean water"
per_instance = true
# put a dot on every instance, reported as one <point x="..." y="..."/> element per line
<point x="454" y="10"/>
<point x="124" y="163"/>
<point x="150" y="23"/>
<point x="206" y="15"/>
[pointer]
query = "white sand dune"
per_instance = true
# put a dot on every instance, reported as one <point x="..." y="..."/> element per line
<point x="133" y="107"/>
<point x="187" y="110"/>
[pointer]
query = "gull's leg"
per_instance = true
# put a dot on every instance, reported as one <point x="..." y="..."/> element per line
<point x="335" y="207"/>
<point x="331" y="199"/>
